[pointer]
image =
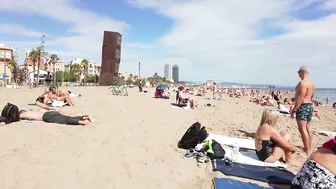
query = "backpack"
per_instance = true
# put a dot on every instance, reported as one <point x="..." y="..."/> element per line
<point x="11" y="113"/>
<point x="214" y="150"/>
<point x="194" y="135"/>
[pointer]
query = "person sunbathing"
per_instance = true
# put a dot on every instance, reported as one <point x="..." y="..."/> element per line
<point x="42" y="102"/>
<point x="54" y="117"/>
<point x="56" y="94"/>
<point x="270" y="144"/>
<point x="182" y="96"/>
<point x="319" y="171"/>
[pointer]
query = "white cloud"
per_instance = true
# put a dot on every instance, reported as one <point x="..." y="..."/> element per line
<point x="87" y="27"/>
<point x="228" y="35"/>
<point x="209" y="39"/>
<point x="329" y="5"/>
<point x="18" y="30"/>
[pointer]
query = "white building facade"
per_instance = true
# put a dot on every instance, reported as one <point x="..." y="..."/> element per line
<point x="168" y="72"/>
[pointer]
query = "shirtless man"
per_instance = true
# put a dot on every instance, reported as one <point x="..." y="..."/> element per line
<point x="54" y="117"/>
<point x="303" y="108"/>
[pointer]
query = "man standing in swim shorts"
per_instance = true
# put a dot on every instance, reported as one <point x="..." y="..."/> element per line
<point x="303" y="108"/>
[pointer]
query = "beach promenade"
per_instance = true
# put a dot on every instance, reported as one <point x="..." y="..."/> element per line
<point x="131" y="144"/>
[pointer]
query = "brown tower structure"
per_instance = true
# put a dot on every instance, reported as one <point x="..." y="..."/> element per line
<point x="110" y="57"/>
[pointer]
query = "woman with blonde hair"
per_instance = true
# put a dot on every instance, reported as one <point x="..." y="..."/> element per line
<point x="270" y="144"/>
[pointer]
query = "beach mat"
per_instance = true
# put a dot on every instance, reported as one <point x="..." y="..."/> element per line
<point x="272" y="175"/>
<point x="242" y="143"/>
<point x="226" y="183"/>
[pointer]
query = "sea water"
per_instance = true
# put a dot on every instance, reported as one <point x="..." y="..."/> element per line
<point x="321" y="94"/>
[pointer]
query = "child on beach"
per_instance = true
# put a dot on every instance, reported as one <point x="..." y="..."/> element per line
<point x="270" y="144"/>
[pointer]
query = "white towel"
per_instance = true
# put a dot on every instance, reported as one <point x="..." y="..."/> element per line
<point x="242" y="143"/>
<point x="328" y="133"/>
<point x="57" y="103"/>
<point x="251" y="158"/>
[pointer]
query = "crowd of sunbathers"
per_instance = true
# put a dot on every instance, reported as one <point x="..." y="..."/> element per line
<point x="47" y="112"/>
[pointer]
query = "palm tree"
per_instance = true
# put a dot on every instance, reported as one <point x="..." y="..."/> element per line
<point x="34" y="54"/>
<point x="52" y="61"/>
<point x="76" y="70"/>
<point x="12" y="65"/>
<point x="40" y="51"/>
<point x="85" y="66"/>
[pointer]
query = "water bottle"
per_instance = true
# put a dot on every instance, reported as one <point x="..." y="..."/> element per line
<point x="235" y="153"/>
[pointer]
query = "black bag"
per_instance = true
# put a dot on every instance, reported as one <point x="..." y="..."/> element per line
<point x="194" y="135"/>
<point x="11" y="113"/>
<point x="214" y="150"/>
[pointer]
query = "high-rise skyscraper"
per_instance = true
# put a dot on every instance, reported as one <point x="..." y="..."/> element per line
<point x="176" y="73"/>
<point x="168" y="72"/>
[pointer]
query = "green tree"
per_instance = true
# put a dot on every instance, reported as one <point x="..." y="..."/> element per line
<point x="72" y="77"/>
<point x="129" y="81"/>
<point x="76" y="71"/>
<point x="85" y="67"/>
<point x="12" y="65"/>
<point x="52" y="61"/>
<point x="66" y="76"/>
<point x="34" y="54"/>
<point x="59" y="76"/>
<point x="40" y="52"/>
<point x="96" y="78"/>
<point x="21" y="75"/>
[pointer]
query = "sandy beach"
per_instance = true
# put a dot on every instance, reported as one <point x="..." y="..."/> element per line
<point x="131" y="144"/>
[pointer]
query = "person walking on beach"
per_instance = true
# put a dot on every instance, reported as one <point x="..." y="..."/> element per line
<point x="303" y="108"/>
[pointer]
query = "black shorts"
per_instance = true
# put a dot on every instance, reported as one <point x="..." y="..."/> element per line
<point x="56" y="117"/>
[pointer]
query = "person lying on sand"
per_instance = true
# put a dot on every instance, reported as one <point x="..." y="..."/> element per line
<point x="319" y="171"/>
<point x="42" y="103"/>
<point x="54" y="117"/>
<point x="270" y="144"/>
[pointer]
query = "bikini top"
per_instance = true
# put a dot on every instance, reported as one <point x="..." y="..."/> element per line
<point x="331" y="144"/>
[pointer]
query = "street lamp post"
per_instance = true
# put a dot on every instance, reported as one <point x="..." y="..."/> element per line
<point x="39" y="58"/>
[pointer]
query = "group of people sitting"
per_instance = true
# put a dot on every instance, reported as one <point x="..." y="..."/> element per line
<point x="47" y="113"/>
<point x="318" y="171"/>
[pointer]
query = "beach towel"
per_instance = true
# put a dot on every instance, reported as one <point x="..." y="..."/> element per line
<point x="226" y="183"/>
<point x="74" y="95"/>
<point x="327" y="133"/>
<point x="31" y="121"/>
<point x="272" y="175"/>
<point x="242" y="143"/>
<point x="49" y="105"/>
<point x="251" y="158"/>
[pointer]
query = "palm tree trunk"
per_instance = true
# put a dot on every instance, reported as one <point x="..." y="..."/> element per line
<point x="38" y="69"/>
<point x="34" y="69"/>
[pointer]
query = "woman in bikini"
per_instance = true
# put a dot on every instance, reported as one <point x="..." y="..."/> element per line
<point x="56" y="94"/>
<point x="270" y="144"/>
<point x="319" y="171"/>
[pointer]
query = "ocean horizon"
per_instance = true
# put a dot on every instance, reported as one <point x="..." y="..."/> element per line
<point x="321" y="94"/>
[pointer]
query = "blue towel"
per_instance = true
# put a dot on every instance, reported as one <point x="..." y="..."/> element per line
<point x="272" y="175"/>
<point x="226" y="183"/>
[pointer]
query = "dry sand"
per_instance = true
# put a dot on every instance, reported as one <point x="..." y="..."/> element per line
<point x="132" y="143"/>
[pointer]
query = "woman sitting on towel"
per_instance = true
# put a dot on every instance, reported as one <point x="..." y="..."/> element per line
<point x="319" y="171"/>
<point x="270" y="144"/>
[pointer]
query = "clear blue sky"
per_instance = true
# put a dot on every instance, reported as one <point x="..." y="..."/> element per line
<point x="257" y="41"/>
